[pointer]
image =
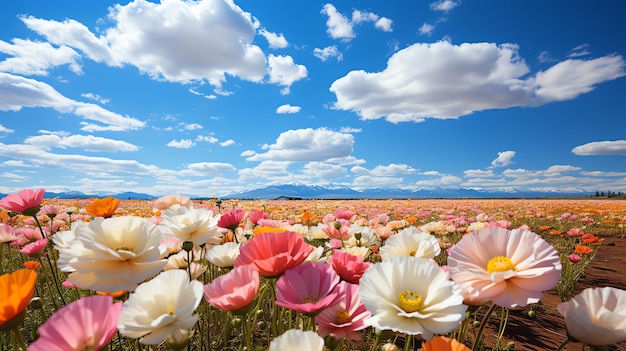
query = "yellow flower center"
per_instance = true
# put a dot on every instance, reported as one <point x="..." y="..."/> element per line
<point x="125" y="248"/>
<point x="412" y="253"/>
<point x="310" y="299"/>
<point x="410" y="301"/>
<point x="342" y="316"/>
<point x="500" y="264"/>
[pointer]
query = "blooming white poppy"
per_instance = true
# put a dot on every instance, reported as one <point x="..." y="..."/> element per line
<point x="180" y="260"/>
<point x="296" y="339"/>
<point x="197" y="225"/>
<point x="161" y="308"/>
<point x="510" y="268"/>
<point x="223" y="255"/>
<point x="113" y="254"/>
<point x="596" y="316"/>
<point x="411" y="295"/>
<point x="411" y="242"/>
<point x="362" y="236"/>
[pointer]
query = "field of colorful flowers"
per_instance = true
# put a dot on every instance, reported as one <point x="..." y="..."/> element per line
<point x="183" y="274"/>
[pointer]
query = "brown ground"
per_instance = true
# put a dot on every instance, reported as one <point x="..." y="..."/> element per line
<point x="547" y="330"/>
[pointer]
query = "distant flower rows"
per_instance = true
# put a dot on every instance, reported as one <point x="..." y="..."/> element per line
<point x="181" y="274"/>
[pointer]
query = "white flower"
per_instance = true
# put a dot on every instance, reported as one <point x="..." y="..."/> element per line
<point x="367" y="236"/>
<point x="596" y="316"/>
<point x="223" y="255"/>
<point x="296" y="339"/>
<point x="411" y="242"/>
<point x="411" y="295"/>
<point x="180" y="261"/>
<point x="161" y="308"/>
<point x="437" y="227"/>
<point x="317" y="255"/>
<point x="113" y="254"/>
<point x="360" y="251"/>
<point x="197" y="225"/>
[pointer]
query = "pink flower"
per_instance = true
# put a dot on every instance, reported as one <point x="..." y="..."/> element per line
<point x="574" y="258"/>
<point x="575" y="232"/>
<point x="273" y="253"/>
<point x="308" y="288"/>
<point x="344" y="214"/>
<point x="349" y="267"/>
<point x="23" y="201"/>
<point x="344" y="318"/>
<point x="337" y="230"/>
<point x="335" y="244"/>
<point x="7" y="234"/>
<point x="26" y="235"/>
<point x="233" y="291"/>
<point x="255" y="215"/>
<point x="35" y="247"/>
<point x="231" y="220"/>
<point x="510" y="268"/>
<point x="86" y="324"/>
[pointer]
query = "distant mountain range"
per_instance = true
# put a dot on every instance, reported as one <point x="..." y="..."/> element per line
<point x="306" y="192"/>
<point x="300" y="191"/>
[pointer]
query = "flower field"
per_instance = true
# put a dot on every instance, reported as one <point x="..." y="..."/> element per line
<point x="183" y="274"/>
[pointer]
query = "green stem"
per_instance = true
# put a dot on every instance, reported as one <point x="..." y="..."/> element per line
<point x="481" y="329"/>
<point x="503" y="321"/>
<point x="1" y="258"/>
<point x="18" y="338"/>
<point x="407" y="342"/>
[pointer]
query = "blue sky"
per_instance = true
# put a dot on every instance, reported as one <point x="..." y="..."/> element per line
<point x="209" y="98"/>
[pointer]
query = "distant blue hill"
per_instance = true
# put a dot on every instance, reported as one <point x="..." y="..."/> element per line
<point x="299" y="191"/>
<point x="306" y="192"/>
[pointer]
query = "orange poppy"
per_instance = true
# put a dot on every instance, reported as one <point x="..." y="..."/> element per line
<point x="16" y="290"/>
<point x="264" y="229"/>
<point x="590" y="239"/>
<point x="582" y="249"/>
<point x="103" y="207"/>
<point x="441" y="343"/>
<point x="544" y="227"/>
<point x="112" y="294"/>
<point x="555" y="232"/>
<point x="32" y="265"/>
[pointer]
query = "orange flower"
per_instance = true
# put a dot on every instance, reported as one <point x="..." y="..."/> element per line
<point x="16" y="290"/>
<point x="590" y="239"/>
<point x="441" y="343"/>
<point x="103" y="207"/>
<point x="32" y="265"/>
<point x="112" y="294"/>
<point x="264" y="229"/>
<point x="544" y="227"/>
<point x="555" y="232"/>
<point x="582" y="249"/>
<point x="411" y="220"/>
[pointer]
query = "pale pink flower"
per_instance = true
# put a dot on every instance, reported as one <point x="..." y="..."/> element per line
<point x="308" y="288"/>
<point x="510" y="268"/>
<point x="23" y="201"/>
<point x="349" y="267"/>
<point x="596" y="316"/>
<point x="35" y="247"/>
<point x="7" y="234"/>
<point x="85" y="324"/>
<point x="273" y="253"/>
<point x="165" y="202"/>
<point x="344" y="318"/>
<point x="233" y="291"/>
<point x="337" y="230"/>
